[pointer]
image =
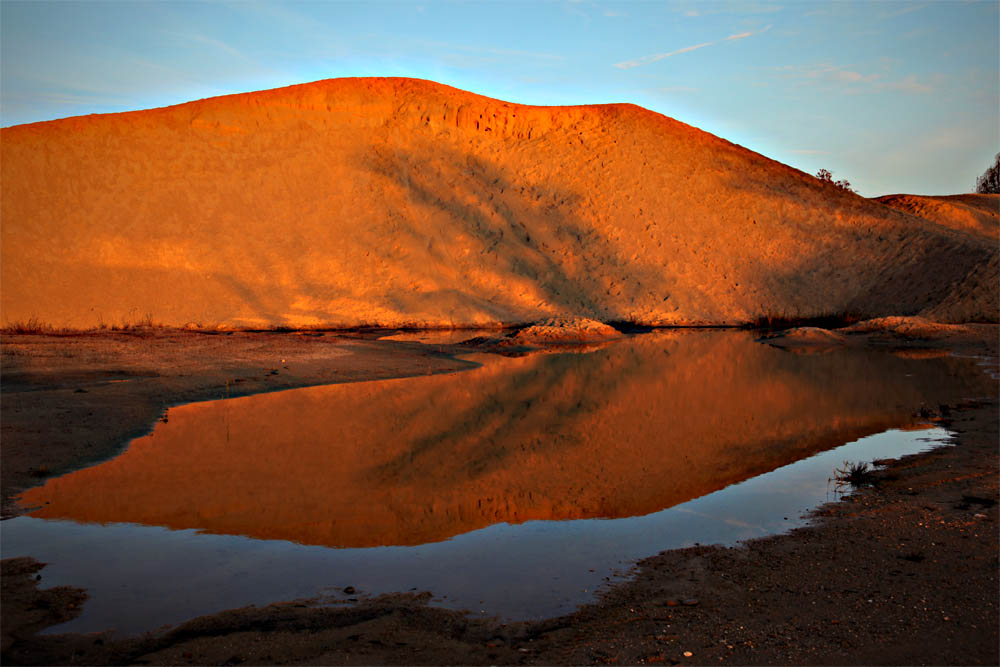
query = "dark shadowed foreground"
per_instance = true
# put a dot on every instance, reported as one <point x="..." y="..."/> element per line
<point x="903" y="572"/>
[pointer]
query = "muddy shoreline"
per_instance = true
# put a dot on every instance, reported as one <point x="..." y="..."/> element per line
<point x="904" y="572"/>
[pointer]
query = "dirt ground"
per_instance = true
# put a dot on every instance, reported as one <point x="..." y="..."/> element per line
<point x="903" y="572"/>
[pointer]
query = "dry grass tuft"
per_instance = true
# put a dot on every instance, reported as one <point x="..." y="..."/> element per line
<point x="854" y="475"/>
<point x="32" y="326"/>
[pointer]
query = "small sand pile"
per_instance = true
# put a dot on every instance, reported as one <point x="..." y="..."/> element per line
<point x="908" y="327"/>
<point x="565" y="330"/>
<point x="805" y="337"/>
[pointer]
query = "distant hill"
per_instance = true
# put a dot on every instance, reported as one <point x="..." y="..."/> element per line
<point x="979" y="214"/>
<point x="402" y="201"/>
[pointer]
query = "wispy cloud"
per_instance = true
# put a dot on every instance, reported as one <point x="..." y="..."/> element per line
<point x="488" y="51"/>
<point x="706" y="9"/>
<point x="852" y="81"/>
<point x="905" y="10"/>
<point x="677" y="89"/>
<point x="645" y="60"/>
<point x="67" y="98"/>
<point x="207" y="41"/>
<point x="910" y="84"/>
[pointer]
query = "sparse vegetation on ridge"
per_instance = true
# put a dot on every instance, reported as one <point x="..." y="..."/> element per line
<point x="989" y="182"/>
<point x="32" y="326"/>
<point x="827" y="177"/>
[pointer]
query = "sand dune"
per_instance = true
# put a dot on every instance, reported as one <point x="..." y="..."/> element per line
<point x="401" y="201"/>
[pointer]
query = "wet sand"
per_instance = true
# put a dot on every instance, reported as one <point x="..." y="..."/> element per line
<point x="905" y="572"/>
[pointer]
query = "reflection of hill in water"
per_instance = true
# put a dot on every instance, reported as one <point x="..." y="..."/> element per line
<point x="626" y="430"/>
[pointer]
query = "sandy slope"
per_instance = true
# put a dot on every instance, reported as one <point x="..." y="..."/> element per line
<point x="404" y="201"/>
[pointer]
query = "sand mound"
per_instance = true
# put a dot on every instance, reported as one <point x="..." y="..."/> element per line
<point x="805" y="337"/>
<point x="404" y="202"/>
<point x="979" y="214"/>
<point x="565" y="330"/>
<point x="908" y="327"/>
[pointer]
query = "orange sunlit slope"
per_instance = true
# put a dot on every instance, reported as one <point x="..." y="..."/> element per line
<point x="629" y="429"/>
<point x="977" y="213"/>
<point x="399" y="201"/>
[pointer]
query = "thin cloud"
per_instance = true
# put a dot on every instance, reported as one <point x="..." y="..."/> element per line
<point x="645" y="60"/>
<point x="743" y="8"/>
<point x="66" y="98"/>
<point x="905" y="10"/>
<point x="910" y="85"/>
<point x="488" y="51"/>
<point x="852" y="81"/>
<point x="207" y="41"/>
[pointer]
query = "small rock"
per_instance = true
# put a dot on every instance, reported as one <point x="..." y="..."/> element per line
<point x="349" y="590"/>
<point x="673" y="603"/>
<point x="691" y="602"/>
<point x="688" y="654"/>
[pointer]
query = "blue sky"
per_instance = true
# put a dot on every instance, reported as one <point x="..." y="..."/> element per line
<point x="893" y="96"/>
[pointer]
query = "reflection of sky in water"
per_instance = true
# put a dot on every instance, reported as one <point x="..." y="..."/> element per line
<point x="142" y="577"/>
<point x="520" y="486"/>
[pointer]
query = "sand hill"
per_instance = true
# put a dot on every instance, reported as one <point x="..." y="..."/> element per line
<point x="401" y="201"/>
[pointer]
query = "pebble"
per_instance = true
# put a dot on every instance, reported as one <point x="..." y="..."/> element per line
<point x="673" y="603"/>
<point x="349" y="589"/>
<point x="690" y="602"/>
<point x="688" y="654"/>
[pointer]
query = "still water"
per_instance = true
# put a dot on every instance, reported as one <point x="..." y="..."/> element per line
<point x="517" y="488"/>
